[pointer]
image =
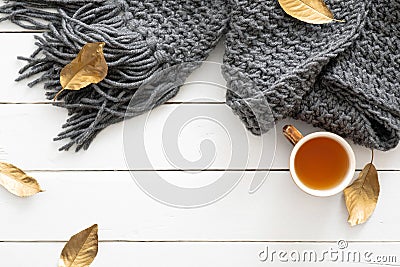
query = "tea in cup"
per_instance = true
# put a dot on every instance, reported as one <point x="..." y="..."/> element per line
<point x="321" y="163"/>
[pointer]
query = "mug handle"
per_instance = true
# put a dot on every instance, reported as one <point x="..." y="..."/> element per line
<point x="292" y="134"/>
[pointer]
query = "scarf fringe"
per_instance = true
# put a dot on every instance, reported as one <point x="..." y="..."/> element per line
<point x="132" y="59"/>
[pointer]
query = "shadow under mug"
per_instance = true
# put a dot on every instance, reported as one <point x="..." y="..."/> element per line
<point x="298" y="140"/>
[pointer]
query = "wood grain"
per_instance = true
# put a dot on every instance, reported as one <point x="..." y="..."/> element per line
<point x="279" y="211"/>
<point x="27" y="132"/>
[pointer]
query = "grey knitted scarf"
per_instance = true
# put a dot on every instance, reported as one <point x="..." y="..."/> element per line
<point x="142" y="38"/>
<point x="343" y="77"/>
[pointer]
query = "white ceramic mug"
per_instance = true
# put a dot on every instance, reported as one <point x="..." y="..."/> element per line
<point x="297" y="139"/>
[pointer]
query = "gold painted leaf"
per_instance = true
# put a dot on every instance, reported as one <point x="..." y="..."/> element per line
<point x="310" y="11"/>
<point x="17" y="182"/>
<point x="88" y="67"/>
<point x="361" y="196"/>
<point x="81" y="249"/>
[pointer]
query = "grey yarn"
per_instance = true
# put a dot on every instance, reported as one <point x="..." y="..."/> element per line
<point x="142" y="38"/>
<point x="343" y="77"/>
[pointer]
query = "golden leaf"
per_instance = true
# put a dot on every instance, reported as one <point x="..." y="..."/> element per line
<point x="310" y="11"/>
<point x="81" y="249"/>
<point x="17" y="182"/>
<point x="88" y="67"/>
<point x="361" y="196"/>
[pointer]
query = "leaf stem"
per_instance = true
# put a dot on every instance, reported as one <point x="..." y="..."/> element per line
<point x="372" y="155"/>
<point x="56" y="96"/>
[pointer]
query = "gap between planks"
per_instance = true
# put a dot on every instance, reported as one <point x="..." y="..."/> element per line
<point x="188" y="170"/>
<point x="213" y="241"/>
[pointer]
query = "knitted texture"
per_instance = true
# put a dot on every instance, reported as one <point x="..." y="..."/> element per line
<point x="142" y="38"/>
<point x="343" y="77"/>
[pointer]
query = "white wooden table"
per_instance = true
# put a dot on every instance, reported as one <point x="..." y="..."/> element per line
<point x="95" y="186"/>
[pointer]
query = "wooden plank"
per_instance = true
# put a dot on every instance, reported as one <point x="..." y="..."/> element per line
<point x="279" y="211"/>
<point x="7" y="26"/>
<point x="207" y="254"/>
<point x="22" y="44"/>
<point x="16" y="45"/>
<point x="27" y="132"/>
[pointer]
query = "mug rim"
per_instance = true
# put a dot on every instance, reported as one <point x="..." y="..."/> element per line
<point x="349" y="173"/>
